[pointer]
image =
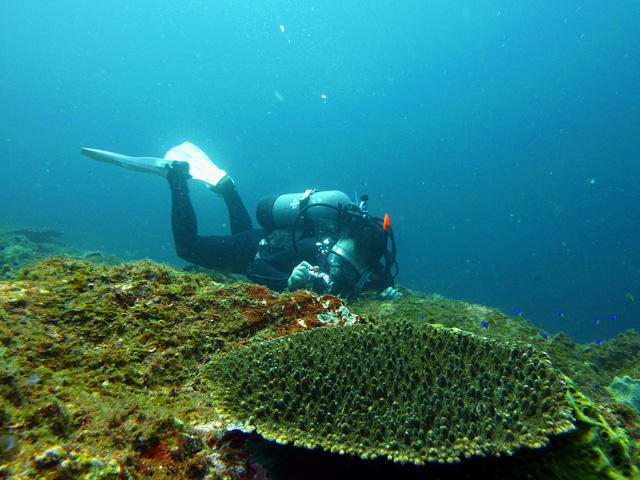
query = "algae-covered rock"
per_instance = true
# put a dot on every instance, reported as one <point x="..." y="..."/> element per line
<point x="407" y="392"/>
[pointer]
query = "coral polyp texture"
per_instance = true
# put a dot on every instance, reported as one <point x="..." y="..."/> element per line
<point x="407" y="392"/>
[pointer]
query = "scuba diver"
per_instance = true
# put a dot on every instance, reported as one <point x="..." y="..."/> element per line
<point x="319" y="241"/>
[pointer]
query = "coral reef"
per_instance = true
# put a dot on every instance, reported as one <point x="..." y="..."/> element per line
<point x="592" y="367"/>
<point x="104" y="373"/>
<point x="398" y="390"/>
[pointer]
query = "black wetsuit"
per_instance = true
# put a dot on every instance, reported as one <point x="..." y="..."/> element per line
<point x="237" y="252"/>
<point x="232" y="253"/>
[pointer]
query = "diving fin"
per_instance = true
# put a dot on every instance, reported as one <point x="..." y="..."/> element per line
<point x="201" y="168"/>
<point x="141" y="164"/>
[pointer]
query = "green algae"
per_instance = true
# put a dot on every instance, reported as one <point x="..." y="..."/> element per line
<point x="117" y="350"/>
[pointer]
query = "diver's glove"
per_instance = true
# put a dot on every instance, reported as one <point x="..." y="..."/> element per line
<point x="300" y="277"/>
<point x="178" y="172"/>
<point x="390" y="293"/>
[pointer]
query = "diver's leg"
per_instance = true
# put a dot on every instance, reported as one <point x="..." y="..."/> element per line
<point x="183" y="217"/>
<point x="239" y="219"/>
<point x="231" y="253"/>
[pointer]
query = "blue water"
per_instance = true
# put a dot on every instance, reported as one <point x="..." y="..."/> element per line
<point x="501" y="137"/>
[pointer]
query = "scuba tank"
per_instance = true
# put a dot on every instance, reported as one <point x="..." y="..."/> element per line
<point x="281" y="211"/>
<point x="292" y="216"/>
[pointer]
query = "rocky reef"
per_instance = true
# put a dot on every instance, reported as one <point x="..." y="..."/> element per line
<point x="139" y="370"/>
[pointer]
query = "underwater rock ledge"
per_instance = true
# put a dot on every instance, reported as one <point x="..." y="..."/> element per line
<point x="105" y="372"/>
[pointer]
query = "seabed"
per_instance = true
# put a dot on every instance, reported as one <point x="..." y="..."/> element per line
<point x="102" y="374"/>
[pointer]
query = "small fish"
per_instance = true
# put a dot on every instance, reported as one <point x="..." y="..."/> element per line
<point x="1" y="248"/>
<point x="15" y="264"/>
<point x="629" y="297"/>
<point x="613" y="317"/>
<point x="485" y="324"/>
<point x="596" y="321"/>
<point x="421" y="316"/>
<point x="543" y="335"/>
<point x="560" y="314"/>
<point x="518" y="312"/>
<point x="598" y="342"/>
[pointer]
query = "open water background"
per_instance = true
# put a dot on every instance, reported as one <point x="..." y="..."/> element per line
<point x="503" y="138"/>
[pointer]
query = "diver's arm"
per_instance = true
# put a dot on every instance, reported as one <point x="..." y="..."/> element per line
<point x="380" y="280"/>
<point x="262" y="272"/>
<point x="275" y="271"/>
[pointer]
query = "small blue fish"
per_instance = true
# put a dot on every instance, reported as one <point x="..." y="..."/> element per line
<point x="543" y="335"/>
<point x="485" y="324"/>
<point x="15" y="264"/>
<point x="560" y="314"/>
<point x="613" y="317"/>
<point x="421" y="316"/>
<point x="1" y="248"/>
<point x="598" y="342"/>
<point x="518" y="312"/>
<point x="596" y="321"/>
